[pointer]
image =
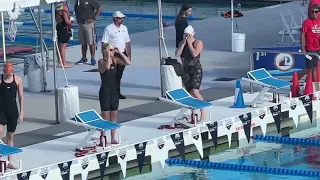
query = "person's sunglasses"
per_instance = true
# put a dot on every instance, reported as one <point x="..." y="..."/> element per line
<point x="316" y="12"/>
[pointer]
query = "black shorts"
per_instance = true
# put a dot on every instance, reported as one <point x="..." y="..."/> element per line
<point x="10" y="119"/>
<point x="63" y="34"/>
<point x="109" y="100"/>
<point x="310" y="64"/>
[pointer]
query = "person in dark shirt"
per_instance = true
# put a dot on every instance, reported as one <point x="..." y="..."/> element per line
<point x="85" y="15"/>
<point x="181" y="22"/>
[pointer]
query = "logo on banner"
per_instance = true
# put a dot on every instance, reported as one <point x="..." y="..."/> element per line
<point x="228" y="123"/>
<point x="275" y="110"/>
<point x="195" y="134"/>
<point x="293" y="104"/>
<point x="141" y="154"/>
<point x="102" y="160"/>
<point x="84" y="163"/>
<point x="122" y="153"/>
<point x="160" y="143"/>
<point x="246" y="121"/>
<point x="24" y="175"/>
<point x="284" y="61"/>
<point x="276" y="114"/>
<point x="213" y="129"/>
<point x="178" y="141"/>
<point x="65" y="170"/>
<point x="262" y="113"/>
<point x="307" y="103"/>
<point x="44" y="172"/>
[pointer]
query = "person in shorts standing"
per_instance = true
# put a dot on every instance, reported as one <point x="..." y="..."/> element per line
<point x="10" y="115"/>
<point x="310" y="37"/>
<point x="86" y="16"/>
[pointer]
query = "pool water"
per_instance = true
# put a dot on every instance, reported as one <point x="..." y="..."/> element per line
<point x="293" y="157"/>
<point x="256" y="154"/>
<point x="134" y="24"/>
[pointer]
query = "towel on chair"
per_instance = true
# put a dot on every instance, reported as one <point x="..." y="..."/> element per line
<point x="27" y="60"/>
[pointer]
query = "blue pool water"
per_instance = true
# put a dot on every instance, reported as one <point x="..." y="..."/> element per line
<point x="262" y="154"/>
<point x="134" y="24"/>
<point x="292" y="157"/>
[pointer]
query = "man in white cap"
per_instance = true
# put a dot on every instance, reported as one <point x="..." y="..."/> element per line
<point x="117" y="35"/>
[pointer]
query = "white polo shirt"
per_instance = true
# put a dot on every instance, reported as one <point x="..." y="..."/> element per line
<point x="116" y="36"/>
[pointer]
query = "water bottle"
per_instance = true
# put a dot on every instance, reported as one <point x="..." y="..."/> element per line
<point x="239" y="7"/>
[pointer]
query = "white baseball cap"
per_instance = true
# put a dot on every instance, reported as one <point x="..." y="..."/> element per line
<point x="118" y="14"/>
<point x="189" y="30"/>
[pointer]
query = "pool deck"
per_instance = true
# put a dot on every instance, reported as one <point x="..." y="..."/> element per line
<point x="217" y="61"/>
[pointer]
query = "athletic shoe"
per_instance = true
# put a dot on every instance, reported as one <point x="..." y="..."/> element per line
<point x="82" y="61"/>
<point x="93" y="62"/>
<point x="122" y="96"/>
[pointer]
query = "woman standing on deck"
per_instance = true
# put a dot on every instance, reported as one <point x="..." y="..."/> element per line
<point x="181" y="22"/>
<point x="64" y="26"/>
<point x="10" y="86"/>
<point x="310" y="41"/>
<point x="190" y="49"/>
<point x="108" y="94"/>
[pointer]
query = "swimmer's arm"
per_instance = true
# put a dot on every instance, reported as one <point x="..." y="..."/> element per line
<point x="303" y="41"/>
<point x="20" y="95"/>
<point x="124" y="59"/>
<point x="65" y="16"/>
<point x="180" y="48"/>
<point x="197" y="50"/>
<point x="100" y="66"/>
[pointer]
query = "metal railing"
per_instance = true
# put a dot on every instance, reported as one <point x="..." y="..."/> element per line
<point x="264" y="52"/>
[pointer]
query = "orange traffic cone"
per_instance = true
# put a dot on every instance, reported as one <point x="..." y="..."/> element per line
<point x="308" y="89"/>
<point x="295" y="89"/>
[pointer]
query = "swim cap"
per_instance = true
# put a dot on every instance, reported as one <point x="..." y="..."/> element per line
<point x="189" y="30"/>
<point x="106" y="45"/>
<point x="59" y="6"/>
<point x="8" y="67"/>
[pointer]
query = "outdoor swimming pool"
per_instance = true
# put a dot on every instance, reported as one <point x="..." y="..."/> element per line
<point x="256" y="154"/>
<point x="134" y="24"/>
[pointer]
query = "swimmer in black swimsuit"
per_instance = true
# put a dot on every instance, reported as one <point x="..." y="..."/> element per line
<point x="10" y="86"/>
<point x="108" y="94"/>
<point x="63" y="28"/>
<point x="190" y="49"/>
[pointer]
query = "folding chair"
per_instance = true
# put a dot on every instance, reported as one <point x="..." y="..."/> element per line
<point x="288" y="30"/>
<point x="93" y="122"/>
<point x="181" y="98"/>
<point x="6" y="150"/>
<point x="304" y="14"/>
<point x="262" y="78"/>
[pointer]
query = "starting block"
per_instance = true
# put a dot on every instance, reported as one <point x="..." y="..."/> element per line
<point x="6" y="150"/>
<point x="181" y="98"/>
<point x="94" y="123"/>
<point x="264" y="79"/>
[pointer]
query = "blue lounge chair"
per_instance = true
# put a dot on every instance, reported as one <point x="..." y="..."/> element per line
<point x="262" y="78"/>
<point x="93" y="122"/>
<point x="181" y="98"/>
<point x="6" y="150"/>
